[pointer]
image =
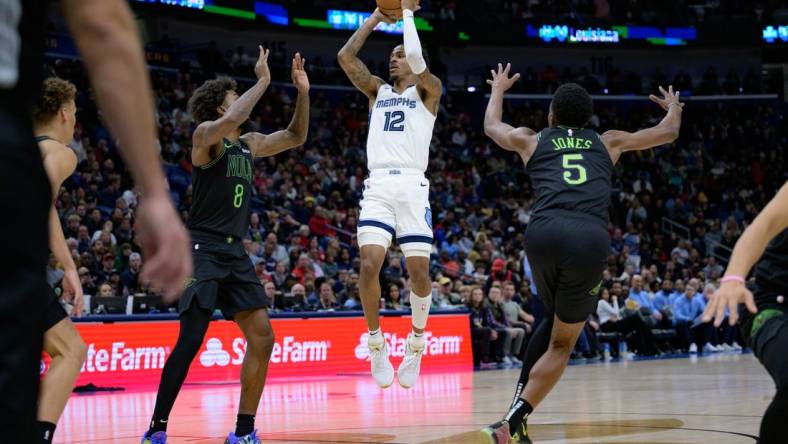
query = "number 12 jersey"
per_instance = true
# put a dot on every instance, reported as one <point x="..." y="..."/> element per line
<point x="400" y="130"/>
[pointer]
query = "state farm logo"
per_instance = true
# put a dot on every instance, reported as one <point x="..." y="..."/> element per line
<point x="436" y="345"/>
<point x="214" y="355"/>
<point x="288" y="350"/>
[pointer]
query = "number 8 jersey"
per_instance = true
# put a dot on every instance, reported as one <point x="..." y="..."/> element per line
<point x="571" y="170"/>
<point x="400" y="130"/>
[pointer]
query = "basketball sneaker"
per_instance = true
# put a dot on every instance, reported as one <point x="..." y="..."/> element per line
<point x="155" y="438"/>
<point x="408" y="371"/>
<point x="498" y="433"/>
<point x="246" y="439"/>
<point x="382" y="370"/>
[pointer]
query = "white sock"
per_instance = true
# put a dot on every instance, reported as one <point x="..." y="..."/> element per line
<point x="375" y="337"/>
<point x="420" y="309"/>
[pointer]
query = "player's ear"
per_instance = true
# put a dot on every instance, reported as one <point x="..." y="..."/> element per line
<point x="221" y="110"/>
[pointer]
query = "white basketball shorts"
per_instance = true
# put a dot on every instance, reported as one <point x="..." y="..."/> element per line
<point x="396" y="202"/>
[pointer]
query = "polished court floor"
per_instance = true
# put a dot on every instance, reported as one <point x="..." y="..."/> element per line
<point x="716" y="399"/>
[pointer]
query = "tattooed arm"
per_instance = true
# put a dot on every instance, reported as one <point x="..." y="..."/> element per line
<point x="355" y="69"/>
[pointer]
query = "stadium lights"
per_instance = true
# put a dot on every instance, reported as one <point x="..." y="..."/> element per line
<point x="772" y="34"/>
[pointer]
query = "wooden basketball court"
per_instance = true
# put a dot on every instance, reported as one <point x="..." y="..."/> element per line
<point x="716" y="399"/>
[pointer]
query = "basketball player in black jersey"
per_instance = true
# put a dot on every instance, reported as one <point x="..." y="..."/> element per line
<point x="55" y="116"/>
<point x="224" y="278"/>
<point x="566" y="239"/>
<point x="107" y="38"/>
<point x="765" y="323"/>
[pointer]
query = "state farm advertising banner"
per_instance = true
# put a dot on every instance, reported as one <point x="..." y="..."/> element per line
<point x="133" y="353"/>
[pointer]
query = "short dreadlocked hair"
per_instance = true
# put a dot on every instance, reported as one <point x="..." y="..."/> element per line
<point x="209" y="96"/>
<point x="572" y="105"/>
<point x="55" y="93"/>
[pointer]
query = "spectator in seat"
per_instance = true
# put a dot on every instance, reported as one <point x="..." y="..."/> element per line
<point x="686" y="311"/>
<point x="515" y="315"/>
<point x="394" y="298"/>
<point x="447" y="299"/>
<point x="106" y="291"/>
<point x="482" y="334"/>
<point x="130" y="277"/>
<point x="329" y="303"/>
<point x="611" y="320"/>
<point x="87" y="281"/>
<point x="678" y="291"/>
<point x="297" y="300"/>
<point x="641" y="298"/>
<point x="514" y="336"/>
<point x="107" y="267"/>
<point x="277" y="302"/>
<point x="54" y="274"/>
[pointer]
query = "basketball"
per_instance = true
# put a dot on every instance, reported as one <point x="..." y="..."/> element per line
<point x="390" y="7"/>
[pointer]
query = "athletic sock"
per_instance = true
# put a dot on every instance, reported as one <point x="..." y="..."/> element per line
<point x="517" y="414"/>
<point x="244" y="425"/>
<point x="45" y="431"/>
<point x="157" y="425"/>
<point x="420" y="309"/>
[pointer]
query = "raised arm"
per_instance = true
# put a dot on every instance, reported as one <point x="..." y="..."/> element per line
<point x="59" y="164"/>
<point x="666" y="131"/>
<point x="750" y="246"/>
<point x="268" y="145"/>
<point x="210" y="133"/>
<point x="107" y="37"/>
<point x="429" y="85"/>
<point x="522" y="139"/>
<point x="355" y="69"/>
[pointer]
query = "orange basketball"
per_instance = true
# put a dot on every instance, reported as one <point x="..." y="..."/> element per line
<point x="390" y="7"/>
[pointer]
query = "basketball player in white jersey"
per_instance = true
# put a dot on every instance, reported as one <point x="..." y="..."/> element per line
<point x="396" y="194"/>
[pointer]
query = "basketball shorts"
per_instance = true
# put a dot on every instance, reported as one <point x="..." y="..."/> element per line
<point x="224" y="278"/>
<point x="567" y="253"/>
<point x="396" y="203"/>
<point x="53" y="312"/>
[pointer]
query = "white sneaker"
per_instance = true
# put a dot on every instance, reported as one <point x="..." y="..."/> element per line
<point x="726" y="347"/>
<point x="408" y="371"/>
<point x="516" y="362"/>
<point x="708" y="348"/>
<point x="736" y="347"/>
<point x="382" y="370"/>
<point x="507" y="361"/>
<point x="693" y="348"/>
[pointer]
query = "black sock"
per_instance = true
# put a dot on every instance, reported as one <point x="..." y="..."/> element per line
<point x="517" y="414"/>
<point x="244" y="425"/>
<point x="537" y="346"/>
<point x="45" y="431"/>
<point x="157" y="425"/>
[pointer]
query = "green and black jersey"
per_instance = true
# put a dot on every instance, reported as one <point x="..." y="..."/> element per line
<point x="571" y="171"/>
<point x="221" y="191"/>
<point x="771" y="272"/>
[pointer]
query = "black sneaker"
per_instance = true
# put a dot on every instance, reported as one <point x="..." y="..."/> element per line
<point x="521" y="436"/>
<point x="497" y="433"/>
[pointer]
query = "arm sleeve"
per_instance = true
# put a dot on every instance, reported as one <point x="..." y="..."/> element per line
<point x="412" y="44"/>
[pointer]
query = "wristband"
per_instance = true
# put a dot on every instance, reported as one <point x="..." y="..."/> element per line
<point x="407" y="13"/>
<point x="732" y="278"/>
<point x="674" y="103"/>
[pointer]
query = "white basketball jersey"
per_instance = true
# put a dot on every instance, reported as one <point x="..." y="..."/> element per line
<point x="400" y="130"/>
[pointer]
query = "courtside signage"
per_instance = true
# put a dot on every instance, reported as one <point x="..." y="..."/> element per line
<point x="133" y="353"/>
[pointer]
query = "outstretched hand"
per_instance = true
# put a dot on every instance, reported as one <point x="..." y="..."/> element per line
<point x="668" y="98"/>
<point x="379" y="16"/>
<point x="261" y="67"/>
<point x="729" y="295"/>
<point x="298" y="74"/>
<point x="501" y="80"/>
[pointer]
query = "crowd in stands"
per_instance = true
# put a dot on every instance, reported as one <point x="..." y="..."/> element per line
<point x="590" y="11"/>
<point x="710" y="184"/>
